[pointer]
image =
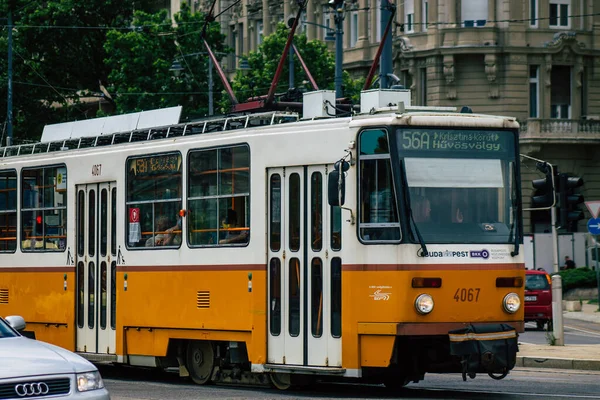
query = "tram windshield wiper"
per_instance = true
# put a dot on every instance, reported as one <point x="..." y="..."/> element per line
<point x="410" y="213"/>
<point x="514" y="226"/>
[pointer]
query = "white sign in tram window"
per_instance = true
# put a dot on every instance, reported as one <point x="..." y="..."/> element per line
<point x="454" y="173"/>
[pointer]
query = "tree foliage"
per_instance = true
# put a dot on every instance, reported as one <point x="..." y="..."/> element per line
<point x="63" y="50"/>
<point x="140" y="62"/>
<point x="263" y="65"/>
<point x="57" y="59"/>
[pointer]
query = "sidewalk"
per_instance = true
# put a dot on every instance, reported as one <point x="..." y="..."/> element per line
<point x="581" y="357"/>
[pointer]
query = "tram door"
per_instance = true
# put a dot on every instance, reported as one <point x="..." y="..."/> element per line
<point x="96" y="267"/>
<point x="299" y="270"/>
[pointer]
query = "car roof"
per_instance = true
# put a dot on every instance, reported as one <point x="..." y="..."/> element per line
<point x="535" y="272"/>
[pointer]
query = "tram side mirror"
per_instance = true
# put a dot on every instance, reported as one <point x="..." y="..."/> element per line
<point x="336" y="187"/>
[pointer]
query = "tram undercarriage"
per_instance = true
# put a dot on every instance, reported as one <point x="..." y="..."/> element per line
<point x="490" y="349"/>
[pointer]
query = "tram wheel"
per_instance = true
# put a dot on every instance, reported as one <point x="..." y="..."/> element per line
<point x="200" y="361"/>
<point x="395" y="383"/>
<point x="281" y="381"/>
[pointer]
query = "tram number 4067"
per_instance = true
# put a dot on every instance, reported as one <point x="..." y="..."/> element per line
<point x="466" y="295"/>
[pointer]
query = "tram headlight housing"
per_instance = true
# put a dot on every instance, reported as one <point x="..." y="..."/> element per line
<point x="424" y="304"/>
<point x="511" y="303"/>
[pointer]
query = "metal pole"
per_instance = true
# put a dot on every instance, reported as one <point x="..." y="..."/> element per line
<point x="339" y="52"/>
<point x="385" y="67"/>
<point x="554" y="239"/>
<point x="597" y="273"/>
<point x="557" y="317"/>
<point x="291" y="67"/>
<point x="557" y="320"/>
<point x="210" y="87"/>
<point x="9" y="131"/>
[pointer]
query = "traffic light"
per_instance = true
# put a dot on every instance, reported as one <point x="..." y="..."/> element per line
<point x="544" y="194"/>
<point x="570" y="214"/>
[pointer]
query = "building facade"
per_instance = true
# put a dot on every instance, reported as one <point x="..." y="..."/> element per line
<point x="536" y="60"/>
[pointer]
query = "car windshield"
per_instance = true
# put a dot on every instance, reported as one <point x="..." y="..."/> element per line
<point x="5" y="330"/>
<point x="536" y="282"/>
<point x="461" y="183"/>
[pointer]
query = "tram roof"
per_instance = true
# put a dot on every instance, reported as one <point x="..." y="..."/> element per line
<point x="409" y="116"/>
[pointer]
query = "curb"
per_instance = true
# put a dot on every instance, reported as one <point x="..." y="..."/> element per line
<point x="557" y="363"/>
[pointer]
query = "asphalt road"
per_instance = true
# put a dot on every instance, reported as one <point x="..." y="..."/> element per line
<point x="576" y="332"/>
<point x="137" y="384"/>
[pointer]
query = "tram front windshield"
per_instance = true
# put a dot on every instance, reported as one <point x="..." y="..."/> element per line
<point x="462" y="184"/>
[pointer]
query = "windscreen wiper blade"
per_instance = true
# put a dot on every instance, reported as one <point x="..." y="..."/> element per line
<point x="410" y="213"/>
<point x="515" y="208"/>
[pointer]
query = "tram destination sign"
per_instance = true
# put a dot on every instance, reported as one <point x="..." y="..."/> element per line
<point x="157" y="165"/>
<point x="454" y="140"/>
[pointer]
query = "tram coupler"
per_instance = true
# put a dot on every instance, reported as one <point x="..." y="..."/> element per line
<point x="490" y="349"/>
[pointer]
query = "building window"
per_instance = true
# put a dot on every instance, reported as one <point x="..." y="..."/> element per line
<point x="219" y="196"/>
<point x="259" y="32"/>
<point x="425" y="16"/>
<point x="559" y="13"/>
<point x="154" y="195"/>
<point x="534" y="91"/>
<point x="44" y="209"/>
<point x="302" y="25"/>
<point x="560" y="92"/>
<point x="409" y="16"/>
<point x="8" y="211"/>
<point x="533" y="13"/>
<point x="474" y="13"/>
<point x="353" y="28"/>
<point x="378" y="211"/>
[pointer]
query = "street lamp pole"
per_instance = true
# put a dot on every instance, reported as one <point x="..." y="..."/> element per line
<point x="339" y="51"/>
<point x="9" y="130"/>
<point x="291" y="67"/>
<point x="386" y="66"/>
<point x="210" y="87"/>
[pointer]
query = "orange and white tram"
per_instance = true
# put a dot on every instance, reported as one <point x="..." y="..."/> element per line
<point x="380" y="246"/>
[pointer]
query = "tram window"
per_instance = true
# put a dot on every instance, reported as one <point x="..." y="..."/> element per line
<point x="80" y="223"/>
<point x="154" y="200"/>
<point x="113" y="295"/>
<point x="294" y="210"/>
<point x="219" y="196"/>
<point x="336" y="228"/>
<point x="80" y="293"/>
<point x="316" y="209"/>
<point x="43" y="208"/>
<point x="91" y="294"/>
<point x="103" y="293"/>
<point x="294" y="297"/>
<point x="275" y="296"/>
<point x="336" y="297"/>
<point x="316" y="297"/>
<point x="378" y="221"/>
<point x="8" y="211"/>
<point x="275" y="213"/>
<point x="113" y="222"/>
<point x="103" y="222"/>
<point x="92" y="222"/>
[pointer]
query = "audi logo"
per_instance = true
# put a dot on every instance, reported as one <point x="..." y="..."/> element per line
<point x="31" y="389"/>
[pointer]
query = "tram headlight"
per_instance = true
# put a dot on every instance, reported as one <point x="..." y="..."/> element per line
<point x="424" y="304"/>
<point x="511" y="303"/>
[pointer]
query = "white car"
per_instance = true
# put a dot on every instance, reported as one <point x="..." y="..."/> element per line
<point x="30" y="369"/>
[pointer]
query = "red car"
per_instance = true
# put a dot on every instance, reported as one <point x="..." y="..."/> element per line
<point x="538" y="298"/>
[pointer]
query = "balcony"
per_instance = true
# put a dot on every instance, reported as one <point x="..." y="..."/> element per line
<point x="572" y="131"/>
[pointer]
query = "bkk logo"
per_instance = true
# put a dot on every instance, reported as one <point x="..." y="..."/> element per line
<point x="480" y="254"/>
